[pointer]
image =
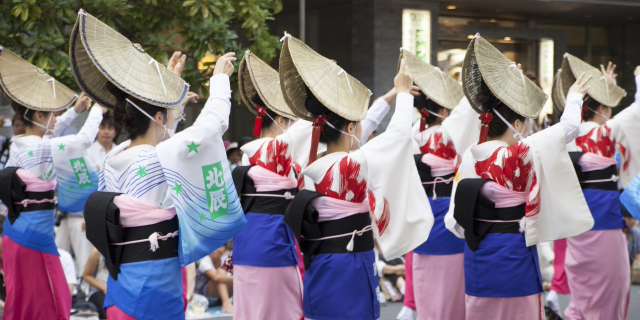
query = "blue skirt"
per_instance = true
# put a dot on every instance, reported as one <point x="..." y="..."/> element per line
<point x="342" y="286"/>
<point x="266" y="241"/>
<point x="441" y="241"/>
<point x="605" y="208"/>
<point x="502" y="266"/>
<point x="148" y="290"/>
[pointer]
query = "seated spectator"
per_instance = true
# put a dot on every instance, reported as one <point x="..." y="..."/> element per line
<point x="391" y="274"/>
<point x="213" y="282"/>
<point x="69" y="269"/>
<point x="96" y="274"/>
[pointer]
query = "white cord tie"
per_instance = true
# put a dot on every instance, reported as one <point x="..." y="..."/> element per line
<point x="286" y="35"/>
<point x="513" y="65"/>
<point x="352" y="234"/>
<point x="435" y="182"/>
<point x="27" y="202"/>
<point x="153" y="240"/>
<point x="522" y="223"/>
<point x="606" y="86"/>
<point x="82" y="12"/>
<point x="516" y="133"/>
<point x="159" y="74"/>
<point x="53" y="83"/>
<point x="287" y="195"/>
<point x="613" y="178"/>
<point x="346" y="76"/>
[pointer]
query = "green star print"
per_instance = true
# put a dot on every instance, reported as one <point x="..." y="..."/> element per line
<point x="61" y="146"/>
<point x="177" y="188"/>
<point x="30" y="153"/>
<point x="193" y="147"/>
<point x="142" y="171"/>
<point x="202" y="217"/>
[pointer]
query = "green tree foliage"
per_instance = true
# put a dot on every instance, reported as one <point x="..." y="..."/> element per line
<point x="39" y="30"/>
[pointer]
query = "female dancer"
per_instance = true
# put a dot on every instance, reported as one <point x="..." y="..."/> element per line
<point x="597" y="261"/>
<point x="438" y="272"/>
<point x="35" y="282"/>
<point x="509" y="184"/>
<point x="340" y="276"/>
<point x="154" y="212"/>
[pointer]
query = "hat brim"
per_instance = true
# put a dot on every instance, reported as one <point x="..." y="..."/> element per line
<point x="302" y="67"/>
<point x="99" y="54"/>
<point x="30" y="86"/>
<point x="600" y="89"/>
<point x="558" y="96"/>
<point x="436" y="85"/>
<point x="485" y="62"/>
<point x="257" y="77"/>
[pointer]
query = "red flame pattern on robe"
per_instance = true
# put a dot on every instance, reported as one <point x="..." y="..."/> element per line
<point x="599" y="141"/>
<point x="276" y="158"/>
<point x="383" y="223"/>
<point x="349" y="187"/>
<point x="512" y="167"/>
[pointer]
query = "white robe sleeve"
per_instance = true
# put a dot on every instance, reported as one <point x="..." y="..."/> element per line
<point x="64" y="121"/>
<point x="628" y="121"/>
<point x="571" y="117"/>
<point x="375" y="115"/>
<point x="196" y="168"/>
<point x="462" y="126"/>
<point x="402" y="212"/>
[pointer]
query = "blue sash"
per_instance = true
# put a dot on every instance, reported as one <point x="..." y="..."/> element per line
<point x="33" y="229"/>
<point x="502" y="266"/>
<point x="605" y="208"/>
<point x="266" y="241"/>
<point x="441" y="241"/>
<point x="342" y="286"/>
<point x="148" y="290"/>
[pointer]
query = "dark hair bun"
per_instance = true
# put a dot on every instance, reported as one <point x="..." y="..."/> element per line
<point x="420" y="102"/>
<point x="257" y="100"/>
<point x="119" y="94"/>
<point x="314" y="105"/>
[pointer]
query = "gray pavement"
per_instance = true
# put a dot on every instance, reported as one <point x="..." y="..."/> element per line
<point x="388" y="311"/>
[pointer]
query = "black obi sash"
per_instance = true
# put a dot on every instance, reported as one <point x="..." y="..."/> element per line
<point x="424" y="170"/>
<point x="270" y="205"/>
<point x="302" y="218"/>
<point x="471" y="205"/>
<point x="603" y="174"/>
<point x="103" y="227"/>
<point x="13" y="192"/>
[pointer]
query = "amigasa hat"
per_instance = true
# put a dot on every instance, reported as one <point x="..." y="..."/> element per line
<point x="100" y="54"/>
<point x="30" y="86"/>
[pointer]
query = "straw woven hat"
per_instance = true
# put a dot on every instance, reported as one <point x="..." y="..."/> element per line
<point x="341" y="93"/>
<point x="256" y="76"/>
<point x="30" y="86"/>
<point x="436" y="85"/>
<point x="558" y="96"/>
<point x="484" y="62"/>
<point x="600" y="89"/>
<point x="99" y="54"/>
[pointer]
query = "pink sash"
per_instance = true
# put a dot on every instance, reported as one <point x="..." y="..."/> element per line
<point x="334" y="209"/>
<point x="265" y="180"/>
<point x="136" y="212"/>
<point x="439" y="167"/>
<point x="34" y="184"/>
<point x="503" y="197"/>
<point x="591" y="162"/>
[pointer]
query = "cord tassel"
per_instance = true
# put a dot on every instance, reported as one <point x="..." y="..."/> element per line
<point x="257" y="125"/>
<point x="423" y="120"/>
<point x="485" y="118"/>
<point x="318" y="121"/>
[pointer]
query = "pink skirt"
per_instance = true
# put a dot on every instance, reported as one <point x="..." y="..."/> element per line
<point x="520" y="308"/>
<point x="267" y="293"/>
<point x="114" y="313"/>
<point x="409" y="298"/>
<point x="598" y="271"/>
<point x="35" y="283"/>
<point x="438" y="284"/>
<point x="559" y="283"/>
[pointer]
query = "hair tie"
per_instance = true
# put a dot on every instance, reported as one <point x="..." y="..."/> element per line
<point x="423" y="119"/>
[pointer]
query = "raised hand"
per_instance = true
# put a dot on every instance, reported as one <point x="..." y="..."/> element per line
<point x="580" y="86"/>
<point x="176" y="63"/>
<point x="610" y="72"/>
<point x="403" y="80"/>
<point x="82" y="103"/>
<point x="225" y="64"/>
<point x="636" y="72"/>
<point x="191" y="97"/>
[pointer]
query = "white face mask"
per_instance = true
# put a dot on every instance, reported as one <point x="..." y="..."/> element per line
<point x="516" y="134"/>
<point x="40" y="125"/>
<point x="167" y="132"/>
<point x="346" y="133"/>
